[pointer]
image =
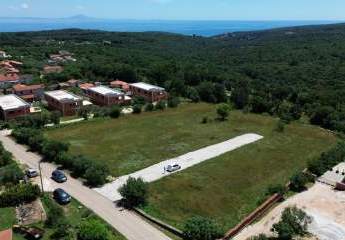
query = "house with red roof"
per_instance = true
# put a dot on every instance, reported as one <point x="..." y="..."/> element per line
<point x="120" y="84"/>
<point x="29" y="93"/>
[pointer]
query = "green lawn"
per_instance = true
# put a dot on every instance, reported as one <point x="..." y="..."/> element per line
<point x="229" y="187"/>
<point x="7" y="218"/>
<point x="134" y="142"/>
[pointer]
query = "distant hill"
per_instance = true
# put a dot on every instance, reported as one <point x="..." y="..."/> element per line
<point x="203" y="28"/>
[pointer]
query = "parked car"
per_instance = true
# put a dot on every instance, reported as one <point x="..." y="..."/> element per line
<point x="173" y="168"/>
<point x="61" y="196"/>
<point x="59" y="176"/>
<point x="31" y="173"/>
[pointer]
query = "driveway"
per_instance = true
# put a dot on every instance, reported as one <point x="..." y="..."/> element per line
<point x="126" y="222"/>
<point x="156" y="172"/>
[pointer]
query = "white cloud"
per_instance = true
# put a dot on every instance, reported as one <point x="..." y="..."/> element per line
<point x="24" y="6"/>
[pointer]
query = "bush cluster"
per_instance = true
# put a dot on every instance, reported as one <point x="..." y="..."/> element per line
<point x="201" y="228"/>
<point x="55" y="151"/>
<point x="328" y="160"/>
<point x="134" y="192"/>
<point x="18" y="194"/>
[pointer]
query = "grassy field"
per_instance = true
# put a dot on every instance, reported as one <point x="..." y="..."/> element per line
<point x="225" y="188"/>
<point x="133" y="142"/>
<point x="229" y="187"/>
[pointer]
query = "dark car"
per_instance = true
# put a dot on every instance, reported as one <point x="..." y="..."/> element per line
<point x="59" y="176"/>
<point x="61" y="196"/>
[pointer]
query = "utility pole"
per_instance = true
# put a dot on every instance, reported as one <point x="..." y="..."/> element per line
<point x="39" y="167"/>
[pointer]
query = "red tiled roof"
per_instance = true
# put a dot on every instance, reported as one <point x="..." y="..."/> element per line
<point x="51" y="69"/>
<point x="6" y="235"/>
<point x="23" y="87"/>
<point x="86" y="86"/>
<point x="8" y="77"/>
<point x="119" y="83"/>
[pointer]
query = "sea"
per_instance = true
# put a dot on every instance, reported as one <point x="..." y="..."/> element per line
<point x="201" y="28"/>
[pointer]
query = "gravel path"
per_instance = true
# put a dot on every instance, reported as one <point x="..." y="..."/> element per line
<point x="127" y="223"/>
<point x="156" y="172"/>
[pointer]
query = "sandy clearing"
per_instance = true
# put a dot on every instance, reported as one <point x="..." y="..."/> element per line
<point x="321" y="202"/>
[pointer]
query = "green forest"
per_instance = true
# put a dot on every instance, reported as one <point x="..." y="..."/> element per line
<point x="289" y="73"/>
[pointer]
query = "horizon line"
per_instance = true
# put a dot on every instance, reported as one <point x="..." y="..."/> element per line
<point x="81" y="16"/>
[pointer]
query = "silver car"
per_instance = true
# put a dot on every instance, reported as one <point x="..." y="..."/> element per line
<point x="31" y="173"/>
<point x="173" y="168"/>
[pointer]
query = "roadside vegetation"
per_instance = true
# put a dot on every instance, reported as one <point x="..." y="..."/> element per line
<point x="74" y="221"/>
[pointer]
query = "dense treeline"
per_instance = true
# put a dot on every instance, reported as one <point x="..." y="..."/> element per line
<point x="93" y="172"/>
<point x="288" y="73"/>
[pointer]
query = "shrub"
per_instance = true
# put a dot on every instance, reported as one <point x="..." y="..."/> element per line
<point x="204" y="120"/>
<point x="173" y="102"/>
<point x="96" y="175"/>
<point x="18" y="194"/>
<point x="137" y="109"/>
<point x="299" y="181"/>
<point x="278" y="188"/>
<point x="328" y="159"/>
<point x="11" y="174"/>
<point x="149" y="107"/>
<point x="293" y="223"/>
<point x="223" y="111"/>
<point x="55" y="213"/>
<point x="64" y="231"/>
<point x="280" y="126"/>
<point x="84" y="112"/>
<point x="51" y="149"/>
<point x="92" y="229"/>
<point x="200" y="228"/>
<point x="5" y="156"/>
<point x="138" y="101"/>
<point x="161" y="105"/>
<point x="55" y="117"/>
<point x="134" y="192"/>
<point x="115" y="112"/>
<point x="259" y="237"/>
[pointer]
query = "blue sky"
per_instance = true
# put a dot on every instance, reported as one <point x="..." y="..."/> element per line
<point x="179" y="9"/>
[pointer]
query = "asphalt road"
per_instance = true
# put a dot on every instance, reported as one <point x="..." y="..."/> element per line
<point x="126" y="222"/>
<point x="156" y="172"/>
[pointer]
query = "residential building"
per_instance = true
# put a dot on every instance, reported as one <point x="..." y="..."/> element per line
<point x="149" y="92"/>
<point x="29" y="93"/>
<point x="85" y="87"/>
<point x="105" y="96"/>
<point x="52" y="69"/>
<point x="73" y="82"/>
<point x="9" y="79"/>
<point x="12" y="106"/>
<point x="120" y="84"/>
<point x="67" y="103"/>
